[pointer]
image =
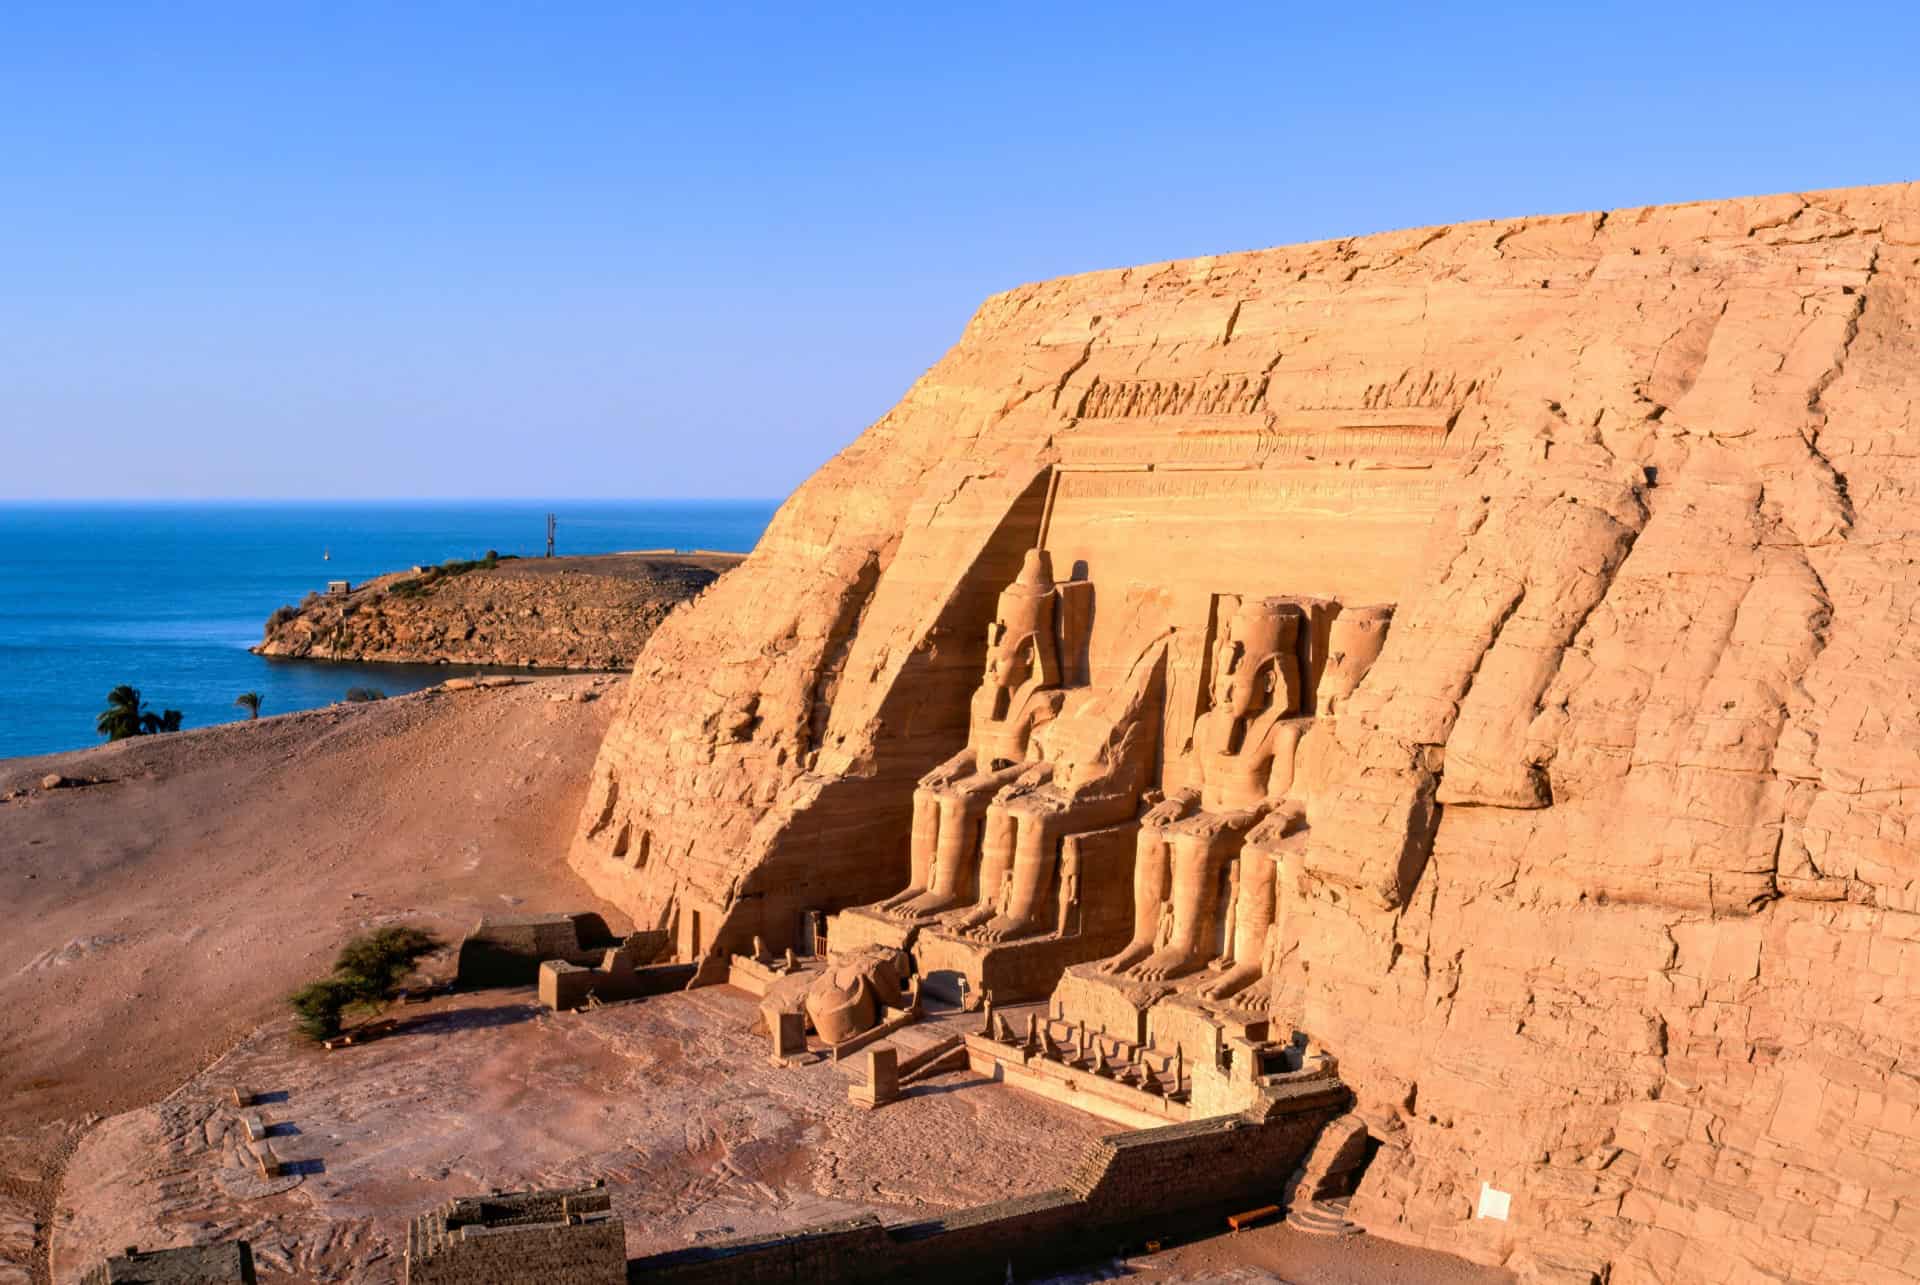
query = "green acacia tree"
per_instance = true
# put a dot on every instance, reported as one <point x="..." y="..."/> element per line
<point x="366" y="978"/>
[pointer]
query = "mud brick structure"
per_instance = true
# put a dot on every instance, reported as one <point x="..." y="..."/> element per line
<point x="564" y="985"/>
<point x="227" y="1263"/>
<point x="507" y="950"/>
<point x="552" y="1237"/>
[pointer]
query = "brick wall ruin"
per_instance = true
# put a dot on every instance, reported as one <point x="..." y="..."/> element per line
<point x="555" y="1237"/>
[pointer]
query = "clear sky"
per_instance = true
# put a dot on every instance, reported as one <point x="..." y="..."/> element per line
<point x="574" y="249"/>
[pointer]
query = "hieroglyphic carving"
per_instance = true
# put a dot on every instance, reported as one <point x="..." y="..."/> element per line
<point x="1245" y="484"/>
<point x="1419" y="441"/>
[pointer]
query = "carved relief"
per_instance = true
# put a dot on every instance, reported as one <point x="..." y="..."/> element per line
<point x="1214" y="395"/>
<point x="1420" y="388"/>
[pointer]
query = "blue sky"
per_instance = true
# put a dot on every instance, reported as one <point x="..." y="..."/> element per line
<point x="477" y="249"/>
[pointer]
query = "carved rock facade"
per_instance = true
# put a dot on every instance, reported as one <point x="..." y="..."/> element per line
<point x="1603" y="888"/>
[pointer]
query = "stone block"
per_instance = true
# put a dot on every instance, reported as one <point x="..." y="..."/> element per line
<point x="883" y="1078"/>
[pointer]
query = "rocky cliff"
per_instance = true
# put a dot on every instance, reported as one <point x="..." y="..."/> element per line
<point x="553" y="613"/>
<point x="1608" y="902"/>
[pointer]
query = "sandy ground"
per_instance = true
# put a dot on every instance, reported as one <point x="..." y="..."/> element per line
<point x="672" y="1101"/>
<point x="157" y="916"/>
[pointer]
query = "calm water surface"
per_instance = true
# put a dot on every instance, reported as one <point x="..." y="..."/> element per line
<point x="169" y="597"/>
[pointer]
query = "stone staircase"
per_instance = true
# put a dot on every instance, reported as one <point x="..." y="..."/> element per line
<point x="1323" y="1217"/>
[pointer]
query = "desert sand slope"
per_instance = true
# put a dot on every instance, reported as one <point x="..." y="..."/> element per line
<point x="1612" y="895"/>
<point x="157" y="915"/>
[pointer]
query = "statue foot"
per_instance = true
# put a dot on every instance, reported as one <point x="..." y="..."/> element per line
<point x="1165" y="965"/>
<point x="925" y="906"/>
<point x="1127" y="958"/>
<point x="1002" y="928"/>
<point x="899" y="898"/>
<point x="1235" y="981"/>
<point x="963" y="922"/>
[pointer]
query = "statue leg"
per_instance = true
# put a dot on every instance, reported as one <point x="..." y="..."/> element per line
<point x="926" y="832"/>
<point x="1199" y="860"/>
<point x="1150" y="880"/>
<point x="1034" y="860"/>
<point x="996" y="859"/>
<point x="953" y="861"/>
<point x="1253" y="918"/>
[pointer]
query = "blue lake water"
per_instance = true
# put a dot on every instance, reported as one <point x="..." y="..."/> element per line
<point x="168" y="597"/>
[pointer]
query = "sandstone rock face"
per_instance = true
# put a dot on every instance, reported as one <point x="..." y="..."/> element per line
<point x="559" y="613"/>
<point x="1607" y="898"/>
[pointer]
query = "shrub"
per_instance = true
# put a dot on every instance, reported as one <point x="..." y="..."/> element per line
<point x="359" y="695"/>
<point x="366" y="978"/>
<point x="378" y="961"/>
<point x="318" y="1007"/>
<point x="281" y="615"/>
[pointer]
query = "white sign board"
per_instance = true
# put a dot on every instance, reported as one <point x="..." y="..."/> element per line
<point x="1493" y="1203"/>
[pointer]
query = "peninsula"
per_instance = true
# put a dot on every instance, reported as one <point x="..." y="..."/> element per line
<point x="548" y="613"/>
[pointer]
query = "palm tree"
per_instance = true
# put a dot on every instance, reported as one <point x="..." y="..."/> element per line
<point x="153" y="724"/>
<point x="250" y="702"/>
<point x="121" y="718"/>
<point x="125" y="716"/>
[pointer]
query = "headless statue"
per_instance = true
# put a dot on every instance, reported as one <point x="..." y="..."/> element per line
<point x="1243" y="758"/>
<point x="1018" y="694"/>
<point x="1093" y="767"/>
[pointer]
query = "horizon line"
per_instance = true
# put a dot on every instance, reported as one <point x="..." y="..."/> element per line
<point x="157" y="501"/>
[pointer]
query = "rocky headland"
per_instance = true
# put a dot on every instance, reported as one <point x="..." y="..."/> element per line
<point x="592" y="612"/>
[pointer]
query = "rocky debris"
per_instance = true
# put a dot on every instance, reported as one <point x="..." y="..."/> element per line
<point x="1610" y="902"/>
<point x="561" y="613"/>
<point x="53" y="781"/>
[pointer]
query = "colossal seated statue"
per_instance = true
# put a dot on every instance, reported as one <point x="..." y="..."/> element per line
<point x="1243" y="762"/>
<point x="1214" y="862"/>
<point x="1029" y="648"/>
<point x="1092" y="767"/>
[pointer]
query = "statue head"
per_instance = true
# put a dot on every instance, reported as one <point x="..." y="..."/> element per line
<point x="1354" y="642"/>
<point x="1255" y="668"/>
<point x="1021" y="651"/>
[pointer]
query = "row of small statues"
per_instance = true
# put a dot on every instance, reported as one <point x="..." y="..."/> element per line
<point x="1042" y="762"/>
<point x="1224" y="396"/>
<point x="1130" y="1064"/>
